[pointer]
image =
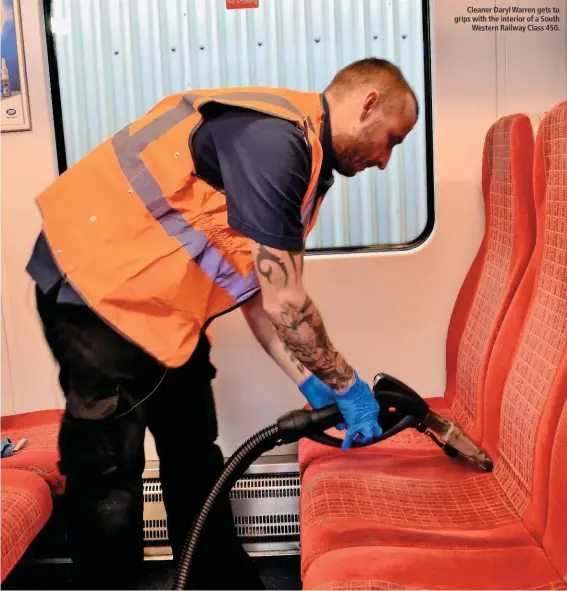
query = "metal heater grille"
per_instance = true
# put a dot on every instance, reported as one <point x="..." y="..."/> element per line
<point x="266" y="511"/>
<point x="155" y="520"/>
<point x="266" y="486"/>
<point x="265" y="507"/>
<point x="267" y="526"/>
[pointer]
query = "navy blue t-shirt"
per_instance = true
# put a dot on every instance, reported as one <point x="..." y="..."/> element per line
<point x="261" y="162"/>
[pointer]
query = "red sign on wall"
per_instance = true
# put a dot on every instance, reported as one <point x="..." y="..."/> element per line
<point x="230" y="4"/>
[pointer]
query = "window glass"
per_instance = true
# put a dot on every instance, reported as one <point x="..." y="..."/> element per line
<point x="117" y="58"/>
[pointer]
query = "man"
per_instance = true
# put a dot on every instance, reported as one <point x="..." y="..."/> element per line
<point x="197" y="208"/>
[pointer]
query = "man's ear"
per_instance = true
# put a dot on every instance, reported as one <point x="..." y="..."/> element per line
<point x="370" y="103"/>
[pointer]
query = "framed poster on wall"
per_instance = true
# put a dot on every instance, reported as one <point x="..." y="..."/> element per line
<point x="15" y="111"/>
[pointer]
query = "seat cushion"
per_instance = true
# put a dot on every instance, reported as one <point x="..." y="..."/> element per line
<point x="433" y="502"/>
<point x="409" y="441"/>
<point x="40" y="454"/>
<point x="417" y="568"/>
<point x="26" y="506"/>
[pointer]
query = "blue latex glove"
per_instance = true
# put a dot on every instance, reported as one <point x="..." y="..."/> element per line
<point x="318" y="394"/>
<point x="360" y="410"/>
<point x="7" y="447"/>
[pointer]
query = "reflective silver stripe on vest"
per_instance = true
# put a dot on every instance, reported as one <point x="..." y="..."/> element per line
<point x="128" y="149"/>
<point x="308" y="209"/>
<point x="261" y="97"/>
<point x="311" y="202"/>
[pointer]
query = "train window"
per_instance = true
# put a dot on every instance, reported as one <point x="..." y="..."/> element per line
<point x="111" y="61"/>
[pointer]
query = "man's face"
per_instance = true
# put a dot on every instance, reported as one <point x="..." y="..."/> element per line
<point x="371" y="134"/>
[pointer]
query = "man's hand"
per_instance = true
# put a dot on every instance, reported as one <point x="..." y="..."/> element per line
<point x="319" y="395"/>
<point x="360" y="410"/>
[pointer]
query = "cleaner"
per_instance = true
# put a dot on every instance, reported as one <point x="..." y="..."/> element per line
<point x="6" y="82"/>
<point x="400" y="408"/>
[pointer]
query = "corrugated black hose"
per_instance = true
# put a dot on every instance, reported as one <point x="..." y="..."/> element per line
<point x="289" y="428"/>
<point x="249" y="451"/>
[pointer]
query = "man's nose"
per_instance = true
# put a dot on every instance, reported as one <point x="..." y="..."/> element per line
<point x="383" y="162"/>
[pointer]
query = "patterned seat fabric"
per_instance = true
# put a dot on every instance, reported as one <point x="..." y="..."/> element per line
<point x="384" y="568"/>
<point x="26" y="506"/>
<point x="512" y="567"/>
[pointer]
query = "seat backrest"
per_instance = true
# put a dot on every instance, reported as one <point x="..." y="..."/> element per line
<point x="555" y="537"/>
<point x="497" y="268"/>
<point x="527" y="375"/>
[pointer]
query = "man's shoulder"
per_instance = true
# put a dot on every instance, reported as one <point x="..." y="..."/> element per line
<point x="265" y="167"/>
<point x="248" y="122"/>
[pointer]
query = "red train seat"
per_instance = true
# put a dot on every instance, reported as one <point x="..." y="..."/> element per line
<point x="29" y="480"/>
<point x="40" y="455"/>
<point x="485" y="294"/>
<point x="26" y="506"/>
<point x="383" y="568"/>
<point x="393" y="515"/>
<point x="512" y="567"/>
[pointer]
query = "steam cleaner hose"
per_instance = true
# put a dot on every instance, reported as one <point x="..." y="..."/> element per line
<point x="288" y="429"/>
<point x="237" y="464"/>
<point x="400" y="408"/>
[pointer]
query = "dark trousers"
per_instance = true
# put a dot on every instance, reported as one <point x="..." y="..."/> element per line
<point x="105" y="379"/>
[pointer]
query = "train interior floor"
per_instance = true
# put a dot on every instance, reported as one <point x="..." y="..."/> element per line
<point x="277" y="572"/>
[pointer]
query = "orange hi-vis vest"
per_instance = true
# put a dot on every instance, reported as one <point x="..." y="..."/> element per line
<point x="145" y="241"/>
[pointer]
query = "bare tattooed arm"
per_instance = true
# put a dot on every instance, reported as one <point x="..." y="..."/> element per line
<point x="263" y="329"/>
<point x="295" y="317"/>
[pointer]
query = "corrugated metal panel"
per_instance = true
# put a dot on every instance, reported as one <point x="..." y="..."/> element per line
<point x="117" y="58"/>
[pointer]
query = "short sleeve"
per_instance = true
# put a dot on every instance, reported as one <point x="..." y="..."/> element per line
<point x="265" y="167"/>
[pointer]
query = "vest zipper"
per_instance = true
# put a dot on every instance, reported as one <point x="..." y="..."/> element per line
<point x="190" y="141"/>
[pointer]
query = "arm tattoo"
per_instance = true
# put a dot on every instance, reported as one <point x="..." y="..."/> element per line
<point x="297" y="265"/>
<point x="267" y="262"/>
<point x="301" y="328"/>
<point x="298" y="364"/>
